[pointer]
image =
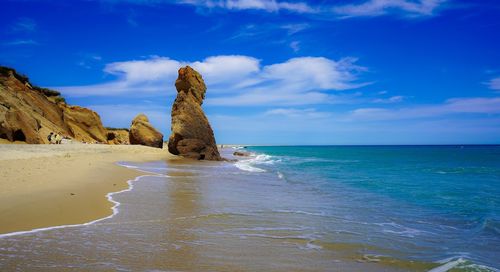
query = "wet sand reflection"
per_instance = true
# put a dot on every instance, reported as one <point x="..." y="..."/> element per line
<point x="183" y="204"/>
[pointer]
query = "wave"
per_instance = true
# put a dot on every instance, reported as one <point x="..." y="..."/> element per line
<point x="273" y="229"/>
<point x="301" y="212"/>
<point x="490" y="225"/>
<point x="246" y="166"/>
<point x="280" y="175"/>
<point x="461" y="263"/>
<point x="261" y="159"/>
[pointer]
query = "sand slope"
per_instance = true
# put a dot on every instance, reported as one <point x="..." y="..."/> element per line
<point x="47" y="185"/>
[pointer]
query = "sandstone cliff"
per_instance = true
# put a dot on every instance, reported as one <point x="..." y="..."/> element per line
<point x="118" y="136"/>
<point x="143" y="133"/>
<point x="192" y="135"/>
<point x="84" y="125"/>
<point x="29" y="113"/>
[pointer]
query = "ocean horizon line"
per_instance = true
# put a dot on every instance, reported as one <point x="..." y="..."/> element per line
<point x="354" y="145"/>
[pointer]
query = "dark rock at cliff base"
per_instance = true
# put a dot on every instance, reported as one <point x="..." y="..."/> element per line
<point x="192" y="136"/>
<point x="118" y="136"/>
<point x="143" y="133"/>
<point x="241" y="154"/>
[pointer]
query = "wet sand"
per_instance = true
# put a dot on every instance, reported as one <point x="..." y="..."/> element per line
<point x="196" y="217"/>
<point x="49" y="185"/>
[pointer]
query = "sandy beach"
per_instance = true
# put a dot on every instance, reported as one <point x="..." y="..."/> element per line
<point x="49" y="185"/>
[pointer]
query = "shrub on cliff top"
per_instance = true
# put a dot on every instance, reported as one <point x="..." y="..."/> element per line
<point x="60" y="99"/>
<point x="46" y="91"/>
<point x="4" y="71"/>
<point x="111" y="129"/>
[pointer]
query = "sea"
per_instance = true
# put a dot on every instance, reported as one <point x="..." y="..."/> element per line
<point x="289" y="208"/>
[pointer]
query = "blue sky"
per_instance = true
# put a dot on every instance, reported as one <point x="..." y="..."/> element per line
<point x="278" y="72"/>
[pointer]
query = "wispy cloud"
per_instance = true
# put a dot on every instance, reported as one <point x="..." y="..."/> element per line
<point x="309" y="113"/>
<point x="475" y="105"/>
<point x="353" y="8"/>
<point x="295" y="28"/>
<point x="264" y="5"/>
<point x="21" y="42"/>
<point x="295" y="45"/>
<point x="263" y="31"/>
<point x="24" y="24"/>
<point x="88" y="60"/>
<point x="390" y="100"/>
<point x="233" y="80"/>
<point x="494" y="84"/>
<point x="373" y="8"/>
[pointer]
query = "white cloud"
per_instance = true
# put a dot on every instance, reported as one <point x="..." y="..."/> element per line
<point x="24" y="24"/>
<point x="295" y="45"/>
<point x="233" y="80"/>
<point x="366" y="8"/>
<point x="294" y="113"/>
<point x="278" y="33"/>
<point x="265" y="5"/>
<point x="494" y="84"/>
<point x="392" y="99"/>
<point x="295" y="28"/>
<point x="475" y="105"/>
<point x="227" y="69"/>
<point x="318" y="72"/>
<point x="21" y="42"/>
<point x="152" y="69"/>
<point x="88" y="60"/>
<point x="372" y="8"/>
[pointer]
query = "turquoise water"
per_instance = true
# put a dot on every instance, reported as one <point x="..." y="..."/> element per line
<point x="329" y="208"/>
<point x="427" y="202"/>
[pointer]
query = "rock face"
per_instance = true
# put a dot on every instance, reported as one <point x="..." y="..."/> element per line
<point x="84" y="124"/>
<point x="118" y="136"/>
<point x="143" y="133"/>
<point x="192" y="135"/>
<point x="30" y="113"/>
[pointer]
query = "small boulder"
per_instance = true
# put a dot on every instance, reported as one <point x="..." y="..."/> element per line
<point x="241" y="154"/>
<point x="143" y="133"/>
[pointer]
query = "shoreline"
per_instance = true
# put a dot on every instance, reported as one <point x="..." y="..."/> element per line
<point x="47" y="186"/>
<point x="109" y="197"/>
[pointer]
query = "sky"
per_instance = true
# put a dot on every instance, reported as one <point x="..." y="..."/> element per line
<point x="307" y="72"/>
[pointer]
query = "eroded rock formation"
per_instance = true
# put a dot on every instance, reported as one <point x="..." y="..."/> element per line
<point x="143" y="133"/>
<point x="192" y="136"/>
<point x="29" y="113"/>
<point x="84" y="124"/>
<point x="118" y="136"/>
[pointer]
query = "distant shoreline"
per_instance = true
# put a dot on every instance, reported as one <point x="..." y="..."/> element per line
<point x="354" y="145"/>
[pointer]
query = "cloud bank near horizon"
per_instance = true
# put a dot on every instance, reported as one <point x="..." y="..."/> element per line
<point x="233" y="80"/>
<point x="297" y="90"/>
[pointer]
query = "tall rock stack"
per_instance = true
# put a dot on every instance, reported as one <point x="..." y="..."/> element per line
<point x="192" y="136"/>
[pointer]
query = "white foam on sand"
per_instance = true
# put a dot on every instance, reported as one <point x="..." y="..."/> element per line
<point x="249" y="164"/>
<point x="109" y="196"/>
<point x="448" y="265"/>
<point x="246" y="166"/>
